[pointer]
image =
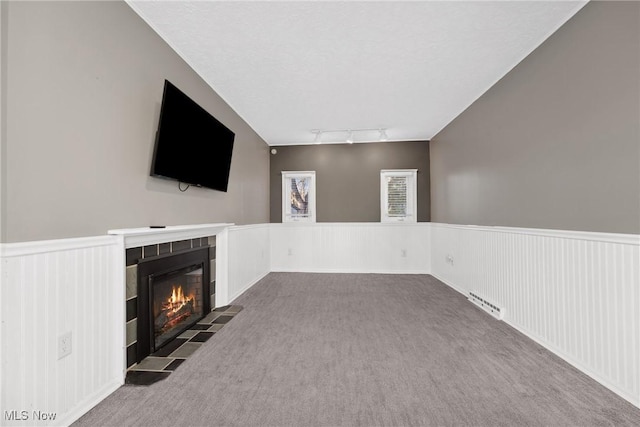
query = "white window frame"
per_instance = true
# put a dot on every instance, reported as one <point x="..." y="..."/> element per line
<point x="287" y="216"/>
<point x="412" y="195"/>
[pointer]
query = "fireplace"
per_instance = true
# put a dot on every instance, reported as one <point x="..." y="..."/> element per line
<point x="176" y="302"/>
<point x="173" y="294"/>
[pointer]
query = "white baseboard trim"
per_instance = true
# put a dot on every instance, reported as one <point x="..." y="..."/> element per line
<point x="455" y="288"/>
<point x="635" y="400"/>
<point x="347" y="271"/>
<point x="247" y="287"/>
<point x="86" y="405"/>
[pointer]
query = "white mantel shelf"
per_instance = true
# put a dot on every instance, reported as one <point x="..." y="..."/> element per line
<point x="134" y="237"/>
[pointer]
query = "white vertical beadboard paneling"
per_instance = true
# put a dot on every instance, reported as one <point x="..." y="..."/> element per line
<point x="248" y="258"/>
<point x="351" y="247"/>
<point x="576" y="293"/>
<point x="50" y="288"/>
<point x="222" y="268"/>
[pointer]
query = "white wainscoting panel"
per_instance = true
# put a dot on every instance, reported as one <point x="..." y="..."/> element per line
<point x="578" y="294"/>
<point x="50" y="288"/>
<point x="243" y="258"/>
<point x="351" y="247"/>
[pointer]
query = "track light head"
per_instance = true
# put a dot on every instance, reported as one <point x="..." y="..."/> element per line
<point x="336" y="135"/>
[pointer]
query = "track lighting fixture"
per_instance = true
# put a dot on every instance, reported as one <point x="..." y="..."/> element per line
<point x="365" y="135"/>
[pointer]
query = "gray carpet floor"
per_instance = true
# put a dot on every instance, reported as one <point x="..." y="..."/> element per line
<point x="367" y="350"/>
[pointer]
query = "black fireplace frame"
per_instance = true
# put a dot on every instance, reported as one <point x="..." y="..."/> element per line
<point x="161" y="265"/>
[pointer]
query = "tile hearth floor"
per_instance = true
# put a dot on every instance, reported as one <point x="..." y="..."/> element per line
<point x="160" y="364"/>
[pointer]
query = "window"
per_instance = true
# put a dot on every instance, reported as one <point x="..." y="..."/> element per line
<point x="299" y="196"/>
<point x="398" y="195"/>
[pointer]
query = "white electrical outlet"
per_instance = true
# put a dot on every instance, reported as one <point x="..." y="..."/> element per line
<point x="64" y="345"/>
<point x="403" y="253"/>
<point x="290" y="252"/>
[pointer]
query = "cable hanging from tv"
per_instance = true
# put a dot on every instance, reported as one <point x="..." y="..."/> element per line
<point x="180" y="187"/>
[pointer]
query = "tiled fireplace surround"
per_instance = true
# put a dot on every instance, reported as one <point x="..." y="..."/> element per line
<point x="147" y="243"/>
<point x="136" y="254"/>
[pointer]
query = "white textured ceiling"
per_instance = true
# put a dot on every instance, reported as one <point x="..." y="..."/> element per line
<point x="292" y="67"/>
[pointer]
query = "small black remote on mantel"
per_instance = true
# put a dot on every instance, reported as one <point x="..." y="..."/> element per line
<point x="157" y="226"/>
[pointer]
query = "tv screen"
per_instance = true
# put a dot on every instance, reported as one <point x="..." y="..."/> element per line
<point x="192" y="147"/>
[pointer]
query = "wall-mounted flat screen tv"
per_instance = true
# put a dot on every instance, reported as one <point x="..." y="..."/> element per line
<point x="192" y="147"/>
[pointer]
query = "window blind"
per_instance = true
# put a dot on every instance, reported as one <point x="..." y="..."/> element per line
<point x="397" y="196"/>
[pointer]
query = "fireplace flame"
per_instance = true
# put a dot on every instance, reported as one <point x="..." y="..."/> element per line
<point x="177" y="300"/>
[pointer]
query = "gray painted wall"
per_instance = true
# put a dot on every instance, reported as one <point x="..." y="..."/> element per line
<point x="3" y="122"/>
<point x="556" y="143"/>
<point x="82" y="99"/>
<point x="348" y="177"/>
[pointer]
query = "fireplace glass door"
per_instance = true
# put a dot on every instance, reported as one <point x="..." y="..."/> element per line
<point x="176" y="302"/>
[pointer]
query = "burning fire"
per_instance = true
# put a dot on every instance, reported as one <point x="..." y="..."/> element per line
<point x="175" y="309"/>
<point x="177" y="300"/>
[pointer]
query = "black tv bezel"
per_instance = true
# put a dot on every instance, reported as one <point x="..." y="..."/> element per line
<point x="231" y="142"/>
